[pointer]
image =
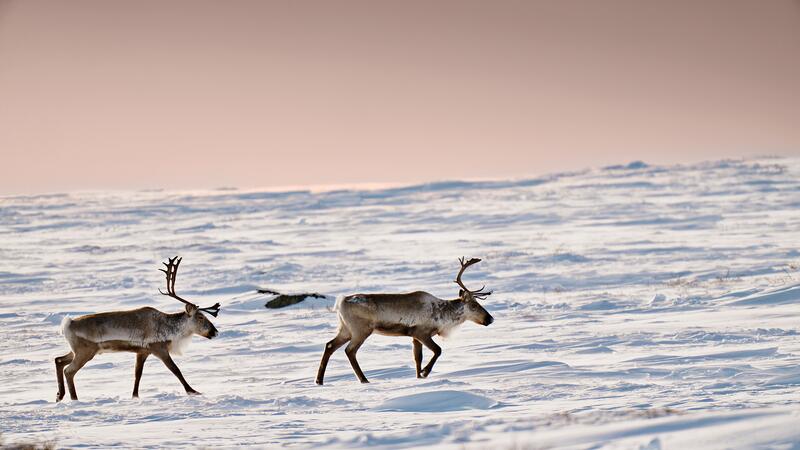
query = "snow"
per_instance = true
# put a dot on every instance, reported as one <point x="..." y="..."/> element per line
<point x="437" y="401"/>
<point x="636" y="306"/>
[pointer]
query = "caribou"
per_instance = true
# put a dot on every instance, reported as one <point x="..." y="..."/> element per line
<point x="418" y="315"/>
<point x="143" y="331"/>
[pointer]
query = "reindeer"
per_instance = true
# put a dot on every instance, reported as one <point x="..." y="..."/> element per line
<point x="143" y="331"/>
<point x="419" y="315"/>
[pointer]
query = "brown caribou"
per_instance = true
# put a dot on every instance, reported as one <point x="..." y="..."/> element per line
<point x="143" y="331"/>
<point x="419" y="315"/>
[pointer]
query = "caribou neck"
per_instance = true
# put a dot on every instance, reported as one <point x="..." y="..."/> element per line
<point x="177" y="324"/>
<point x="449" y="314"/>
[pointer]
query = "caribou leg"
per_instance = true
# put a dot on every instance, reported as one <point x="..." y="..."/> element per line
<point x="61" y="362"/>
<point x="428" y="341"/>
<point x="351" y="350"/>
<point x="330" y="347"/>
<point x="78" y="361"/>
<point x="140" y="359"/>
<point x="417" y="356"/>
<point x="164" y="356"/>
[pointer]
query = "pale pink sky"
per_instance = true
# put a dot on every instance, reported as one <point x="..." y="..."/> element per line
<point x="201" y="94"/>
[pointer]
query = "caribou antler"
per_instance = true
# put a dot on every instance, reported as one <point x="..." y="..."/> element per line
<point x="213" y="310"/>
<point x="480" y="293"/>
<point x="172" y="273"/>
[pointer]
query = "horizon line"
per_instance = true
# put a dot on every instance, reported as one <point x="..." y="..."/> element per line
<point x="373" y="186"/>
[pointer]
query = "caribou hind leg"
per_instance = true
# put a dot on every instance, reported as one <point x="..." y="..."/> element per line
<point x="80" y="358"/>
<point x="330" y="347"/>
<point x="61" y="362"/>
<point x="351" y="350"/>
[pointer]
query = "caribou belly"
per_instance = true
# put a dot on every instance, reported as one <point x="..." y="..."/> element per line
<point x="393" y="329"/>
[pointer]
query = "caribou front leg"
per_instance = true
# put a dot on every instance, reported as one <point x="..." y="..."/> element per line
<point x="437" y="351"/>
<point x="417" y="357"/>
<point x="164" y="356"/>
<point x="140" y="359"/>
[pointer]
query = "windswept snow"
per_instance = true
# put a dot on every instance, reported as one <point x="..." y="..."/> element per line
<point x="437" y="401"/>
<point x="636" y="306"/>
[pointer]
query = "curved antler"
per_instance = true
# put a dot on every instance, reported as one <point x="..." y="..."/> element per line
<point x="172" y="274"/>
<point x="478" y="293"/>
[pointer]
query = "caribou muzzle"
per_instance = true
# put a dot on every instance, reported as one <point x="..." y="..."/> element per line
<point x="213" y="333"/>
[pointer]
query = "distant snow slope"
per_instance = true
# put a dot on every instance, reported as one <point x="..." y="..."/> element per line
<point x="636" y="307"/>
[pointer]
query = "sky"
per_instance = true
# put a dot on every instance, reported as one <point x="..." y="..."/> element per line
<point x="146" y="94"/>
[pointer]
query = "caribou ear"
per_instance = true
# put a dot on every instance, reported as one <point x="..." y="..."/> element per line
<point x="461" y="293"/>
<point x="191" y="309"/>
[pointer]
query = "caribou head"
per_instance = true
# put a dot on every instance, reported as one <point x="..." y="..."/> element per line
<point x="473" y="310"/>
<point x="198" y="322"/>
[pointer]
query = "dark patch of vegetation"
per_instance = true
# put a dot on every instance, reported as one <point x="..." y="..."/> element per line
<point x="283" y="300"/>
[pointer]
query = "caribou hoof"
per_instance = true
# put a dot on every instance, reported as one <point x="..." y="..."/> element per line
<point x="193" y="392"/>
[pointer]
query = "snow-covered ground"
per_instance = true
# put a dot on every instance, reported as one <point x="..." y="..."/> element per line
<point x="636" y="307"/>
